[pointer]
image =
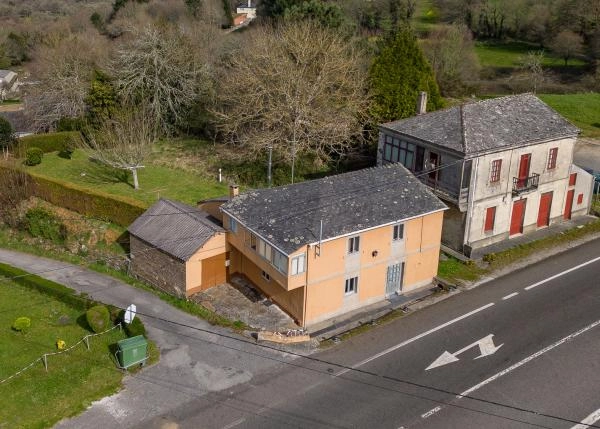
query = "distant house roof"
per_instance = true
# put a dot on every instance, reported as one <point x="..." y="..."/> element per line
<point x="488" y="125"/>
<point x="7" y="76"/>
<point x="289" y="216"/>
<point x="175" y="228"/>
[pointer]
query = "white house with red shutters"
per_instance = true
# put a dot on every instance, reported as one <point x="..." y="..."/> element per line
<point x="504" y="166"/>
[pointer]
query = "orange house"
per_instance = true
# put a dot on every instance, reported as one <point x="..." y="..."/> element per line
<point x="325" y="247"/>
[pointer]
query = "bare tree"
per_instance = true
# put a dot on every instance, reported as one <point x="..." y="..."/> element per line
<point x="61" y="80"/>
<point x="295" y="88"/>
<point x="567" y="44"/>
<point x="159" y="70"/>
<point x="123" y="142"/>
<point x="532" y="63"/>
<point x="15" y="188"/>
<point x="451" y="52"/>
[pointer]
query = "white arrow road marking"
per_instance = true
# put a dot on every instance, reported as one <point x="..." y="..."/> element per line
<point x="521" y="363"/>
<point x="486" y="348"/>
<point x="589" y="420"/>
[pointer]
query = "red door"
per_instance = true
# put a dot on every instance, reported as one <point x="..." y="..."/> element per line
<point x="569" y="204"/>
<point x="524" y="169"/>
<point x="544" y="212"/>
<point x="516" y="220"/>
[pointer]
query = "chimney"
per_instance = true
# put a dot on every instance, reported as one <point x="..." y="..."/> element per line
<point x="234" y="191"/>
<point x="249" y="3"/>
<point x="422" y="103"/>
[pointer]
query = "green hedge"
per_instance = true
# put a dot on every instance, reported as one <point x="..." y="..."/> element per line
<point x="52" y="142"/>
<point x="48" y="287"/>
<point x="120" y="210"/>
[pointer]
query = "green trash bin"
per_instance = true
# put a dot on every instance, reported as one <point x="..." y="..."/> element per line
<point x="132" y="351"/>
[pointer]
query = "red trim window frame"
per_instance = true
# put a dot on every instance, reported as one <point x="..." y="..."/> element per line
<point x="495" y="171"/>
<point x="580" y="199"/>
<point x="572" y="179"/>
<point x="490" y="219"/>
<point x="552" y="155"/>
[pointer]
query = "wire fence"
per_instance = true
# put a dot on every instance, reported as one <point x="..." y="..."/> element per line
<point x="44" y="358"/>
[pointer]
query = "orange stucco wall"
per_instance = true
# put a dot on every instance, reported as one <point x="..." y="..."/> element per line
<point x="319" y="293"/>
<point x="193" y="267"/>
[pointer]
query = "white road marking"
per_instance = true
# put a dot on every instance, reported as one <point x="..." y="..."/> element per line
<point x="504" y="298"/>
<point x="235" y="423"/>
<point x="528" y="359"/>
<point x="431" y="412"/>
<point x="576" y="267"/>
<point x="486" y="347"/>
<point x="413" y="339"/>
<point x="589" y="420"/>
<point x="521" y="363"/>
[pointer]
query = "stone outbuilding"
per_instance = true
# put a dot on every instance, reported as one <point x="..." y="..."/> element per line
<point x="178" y="248"/>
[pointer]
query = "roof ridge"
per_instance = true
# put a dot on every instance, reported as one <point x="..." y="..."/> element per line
<point x="463" y="132"/>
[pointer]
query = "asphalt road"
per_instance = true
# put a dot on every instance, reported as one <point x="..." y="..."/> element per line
<point x="545" y="319"/>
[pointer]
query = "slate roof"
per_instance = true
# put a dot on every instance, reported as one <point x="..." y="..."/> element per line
<point x="289" y="216"/>
<point x="488" y="125"/>
<point x="175" y="228"/>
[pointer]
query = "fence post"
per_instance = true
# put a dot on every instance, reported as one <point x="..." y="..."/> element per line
<point x="87" y="341"/>
<point x="45" y="359"/>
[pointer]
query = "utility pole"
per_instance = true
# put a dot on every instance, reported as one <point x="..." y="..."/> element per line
<point x="269" y="177"/>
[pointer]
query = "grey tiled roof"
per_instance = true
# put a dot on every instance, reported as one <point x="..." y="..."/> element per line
<point x="175" y="228"/>
<point x="289" y="216"/>
<point x="488" y="125"/>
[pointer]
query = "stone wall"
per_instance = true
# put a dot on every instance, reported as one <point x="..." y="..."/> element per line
<point x="157" y="268"/>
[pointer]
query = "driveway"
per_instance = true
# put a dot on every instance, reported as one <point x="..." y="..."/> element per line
<point x="196" y="357"/>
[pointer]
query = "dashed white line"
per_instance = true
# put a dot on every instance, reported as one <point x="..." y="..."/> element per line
<point x="589" y="420"/>
<point x="504" y="298"/>
<point x="528" y="359"/>
<point x="235" y="423"/>
<point x="522" y="362"/>
<point x="431" y="412"/>
<point x="576" y="267"/>
<point x="415" y="338"/>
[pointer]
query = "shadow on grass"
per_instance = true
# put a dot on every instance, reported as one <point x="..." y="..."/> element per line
<point x="98" y="173"/>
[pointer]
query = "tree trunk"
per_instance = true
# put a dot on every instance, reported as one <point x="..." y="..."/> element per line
<point x="136" y="185"/>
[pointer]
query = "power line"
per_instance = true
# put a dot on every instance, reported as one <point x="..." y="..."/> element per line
<point x="455" y="395"/>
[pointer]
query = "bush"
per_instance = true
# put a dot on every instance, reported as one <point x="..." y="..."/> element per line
<point x="55" y="290"/>
<point x="120" y="210"/>
<point x="33" y="156"/>
<point x="22" y="324"/>
<point x="42" y="223"/>
<point x="52" y="142"/>
<point x="98" y="318"/>
<point x="135" y="328"/>
<point x="6" y="133"/>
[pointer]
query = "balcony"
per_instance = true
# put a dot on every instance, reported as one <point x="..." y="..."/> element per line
<point x="446" y="192"/>
<point x="526" y="184"/>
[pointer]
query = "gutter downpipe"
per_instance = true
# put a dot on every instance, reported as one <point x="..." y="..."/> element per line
<point x="471" y="204"/>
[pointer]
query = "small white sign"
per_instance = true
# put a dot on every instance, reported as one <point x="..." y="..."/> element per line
<point x="130" y="314"/>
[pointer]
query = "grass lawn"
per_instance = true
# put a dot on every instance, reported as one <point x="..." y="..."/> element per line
<point x="36" y="398"/>
<point x="155" y="180"/>
<point x="583" y="110"/>
<point x="510" y="54"/>
<point x="452" y="270"/>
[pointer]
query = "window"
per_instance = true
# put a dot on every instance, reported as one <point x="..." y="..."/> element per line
<point x="298" y="264"/>
<point x="266" y="276"/>
<point x="398" y="232"/>
<point x="233" y="225"/>
<point x="573" y="179"/>
<point x="280" y="261"/>
<point x="251" y="240"/>
<point x="351" y="286"/>
<point x="580" y="199"/>
<point x="496" y="168"/>
<point x="265" y="250"/>
<point x="396" y="150"/>
<point x="353" y="244"/>
<point x="490" y="218"/>
<point x="552" y="158"/>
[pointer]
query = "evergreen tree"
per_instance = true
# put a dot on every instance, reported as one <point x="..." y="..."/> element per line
<point x="397" y="75"/>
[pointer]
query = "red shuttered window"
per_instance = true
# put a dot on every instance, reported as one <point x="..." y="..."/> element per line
<point x="496" y="168"/>
<point x="552" y="158"/>
<point x="490" y="218"/>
